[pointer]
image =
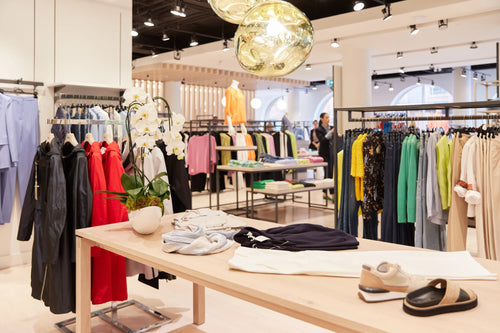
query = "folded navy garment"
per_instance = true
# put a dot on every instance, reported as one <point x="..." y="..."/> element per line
<point x="297" y="237"/>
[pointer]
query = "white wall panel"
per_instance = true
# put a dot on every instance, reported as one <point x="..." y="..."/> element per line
<point x="17" y="39"/>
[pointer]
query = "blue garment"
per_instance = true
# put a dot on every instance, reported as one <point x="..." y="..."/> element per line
<point x="5" y="131"/>
<point x="93" y="128"/>
<point x="60" y="130"/>
<point x="22" y="123"/>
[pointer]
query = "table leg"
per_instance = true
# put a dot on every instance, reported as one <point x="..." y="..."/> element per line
<point x="198" y="304"/>
<point x="217" y="186"/>
<point x="237" y="190"/>
<point x="251" y="186"/>
<point x="82" y="285"/>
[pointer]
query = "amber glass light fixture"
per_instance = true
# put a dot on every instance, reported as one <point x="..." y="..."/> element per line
<point x="273" y="39"/>
<point x="232" y="10"/>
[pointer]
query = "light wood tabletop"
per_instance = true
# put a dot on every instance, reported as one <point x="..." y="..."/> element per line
<point x="329" y="302"/>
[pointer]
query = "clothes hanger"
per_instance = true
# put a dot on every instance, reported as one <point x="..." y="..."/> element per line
<point x="70" y="137"/>
<point x="89" y="138"/>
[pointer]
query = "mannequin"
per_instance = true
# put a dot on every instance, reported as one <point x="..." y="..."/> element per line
<point x="235" y="104"/>
<point x="235" y="84"/>
<point x="231" y="129"/>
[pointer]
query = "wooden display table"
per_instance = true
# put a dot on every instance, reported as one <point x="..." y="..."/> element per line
<point x="252" y="171"/>
<point x="329" y="302"/>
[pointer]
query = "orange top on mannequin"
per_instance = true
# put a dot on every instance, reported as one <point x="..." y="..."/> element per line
<point x="235" y="104"/>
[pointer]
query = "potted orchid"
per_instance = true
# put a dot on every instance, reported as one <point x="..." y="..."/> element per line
<point x="144" y="197"/>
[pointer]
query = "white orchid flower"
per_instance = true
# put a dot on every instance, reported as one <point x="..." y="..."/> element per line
<point x="145" y="141"/>
<point x="134" y="94"/>
<point x="146" y="127"/>
<point x="147" y="112"/>
<point x="177" y="121"/>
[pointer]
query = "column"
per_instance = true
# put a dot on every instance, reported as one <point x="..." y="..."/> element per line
<point x="172" y="93"/>
<point x="462" y="92"/>
<point x="356" y="83"/>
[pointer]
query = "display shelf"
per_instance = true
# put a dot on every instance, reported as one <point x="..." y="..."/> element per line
<point x="289" y="191"/>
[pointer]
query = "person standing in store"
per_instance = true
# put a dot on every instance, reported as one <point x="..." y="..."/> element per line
<point x="314" y="137"/>
<point x="324" y="134"/>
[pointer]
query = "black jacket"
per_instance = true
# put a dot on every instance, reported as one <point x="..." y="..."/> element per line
<point x="60" y="207"/>
<point x="297" y="237"/>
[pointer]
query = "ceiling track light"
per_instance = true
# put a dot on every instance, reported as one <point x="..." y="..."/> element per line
<point x="179" y="9"/>
<point x="434" y="50"/>
<point x="475" y="77"/>
<point x="358" y="5"/>
<point x="386" y="11"/>
<point x="177" y="55"/>
<point x="390" y="87"/>
<point x="193" y="41"/>
<point x="375" y="85"/>
<point x="149" y="22"/>
<point x="431" y="67"/>
<point x="432" y="83"/>
<point x="443" y="24"/>
<point x="402" y="79"/>
<point x="165" y="37"/>
<point x="464" y="72"/>
<point x="419" y="82"/>
<point x="483" y="77"/>
<point x="413" y="29"/>
<point x="134" y="32"/>
<point x="402" y="70"/>
<point x="225" y="47"/>
<point x="473" y="45"/>
<point x="153" y="54"/>
<point x="399" y="55"/>
<point x="335" y="43"/>
<point x="308" y="67"/>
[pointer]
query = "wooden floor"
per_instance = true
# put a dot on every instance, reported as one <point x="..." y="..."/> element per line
<point x="21" y="313"/>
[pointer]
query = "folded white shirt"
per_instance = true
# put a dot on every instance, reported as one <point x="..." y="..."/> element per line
<point x="208" y="219"/>
<point x="431" y="264"/>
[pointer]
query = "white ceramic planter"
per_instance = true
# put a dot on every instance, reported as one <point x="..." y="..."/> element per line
<point x="145" y="220"/>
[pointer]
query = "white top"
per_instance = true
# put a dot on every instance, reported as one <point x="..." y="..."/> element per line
<point x="235" y="84"/>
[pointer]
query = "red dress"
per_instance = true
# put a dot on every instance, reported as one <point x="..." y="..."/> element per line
<point x="109" y="281"/>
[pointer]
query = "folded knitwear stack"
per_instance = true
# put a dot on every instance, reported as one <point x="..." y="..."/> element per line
<point x="208" y="219"/>
<point x="315" y="159"/>
<point x="322" y="182"/>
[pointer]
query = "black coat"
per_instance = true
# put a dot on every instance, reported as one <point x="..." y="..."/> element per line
<point x="178" y="179"/>
<point x="60" y="207"/>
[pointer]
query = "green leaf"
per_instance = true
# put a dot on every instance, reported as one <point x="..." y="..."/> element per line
<point x="161" y="174"/>
<point x="120" y="197"/>
<point x="111" y="192"/>
<point x="160" y="187"/>
<point x="135" y="192"/>
<point x="130" y="182"/>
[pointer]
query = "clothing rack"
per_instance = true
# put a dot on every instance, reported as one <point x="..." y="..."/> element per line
<point x="87" y="97"/>
<point x="18" y="90"/>
<point x="398" y="108"/>
<point x="83" y="122"/>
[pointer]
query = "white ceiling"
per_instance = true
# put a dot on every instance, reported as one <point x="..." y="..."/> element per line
<point x="468" y="20"/>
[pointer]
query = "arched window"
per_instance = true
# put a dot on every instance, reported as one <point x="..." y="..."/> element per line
<point x="425" y="94"/>
<point x="326" y="105"/>
<point x="276" y="109"/>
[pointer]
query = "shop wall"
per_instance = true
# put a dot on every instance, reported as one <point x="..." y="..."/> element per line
<point x="302" y="105"/>
<point x="70" y="41"/>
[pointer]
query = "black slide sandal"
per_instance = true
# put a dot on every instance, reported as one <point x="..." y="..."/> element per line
<point x="430" y="300"/>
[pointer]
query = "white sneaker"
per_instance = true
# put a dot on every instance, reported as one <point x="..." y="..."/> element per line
<point x="387" y="282"/>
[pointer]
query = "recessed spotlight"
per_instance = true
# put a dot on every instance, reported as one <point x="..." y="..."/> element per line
<point x="399" y="55"/>
<point x="434" y="50"/>
<point x="165" y="37"/>
<point x="308" y="67"/>
<point x="358" y="5"/>
<point x="335" y="43"/>
<point x="473" y="45"/>
<point x="179" y="9"/>
<point x="443" y="24"/>
<point x="313" y="87"/>
<point x="134" y="32"/>
<point x="413" y="29"/>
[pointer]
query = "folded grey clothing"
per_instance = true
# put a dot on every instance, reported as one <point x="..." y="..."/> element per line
<point x="208" y="219"/>
<point x="198" y="242"/>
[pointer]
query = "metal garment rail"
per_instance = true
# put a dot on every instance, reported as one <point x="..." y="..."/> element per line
<point x="447" y="107"/>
